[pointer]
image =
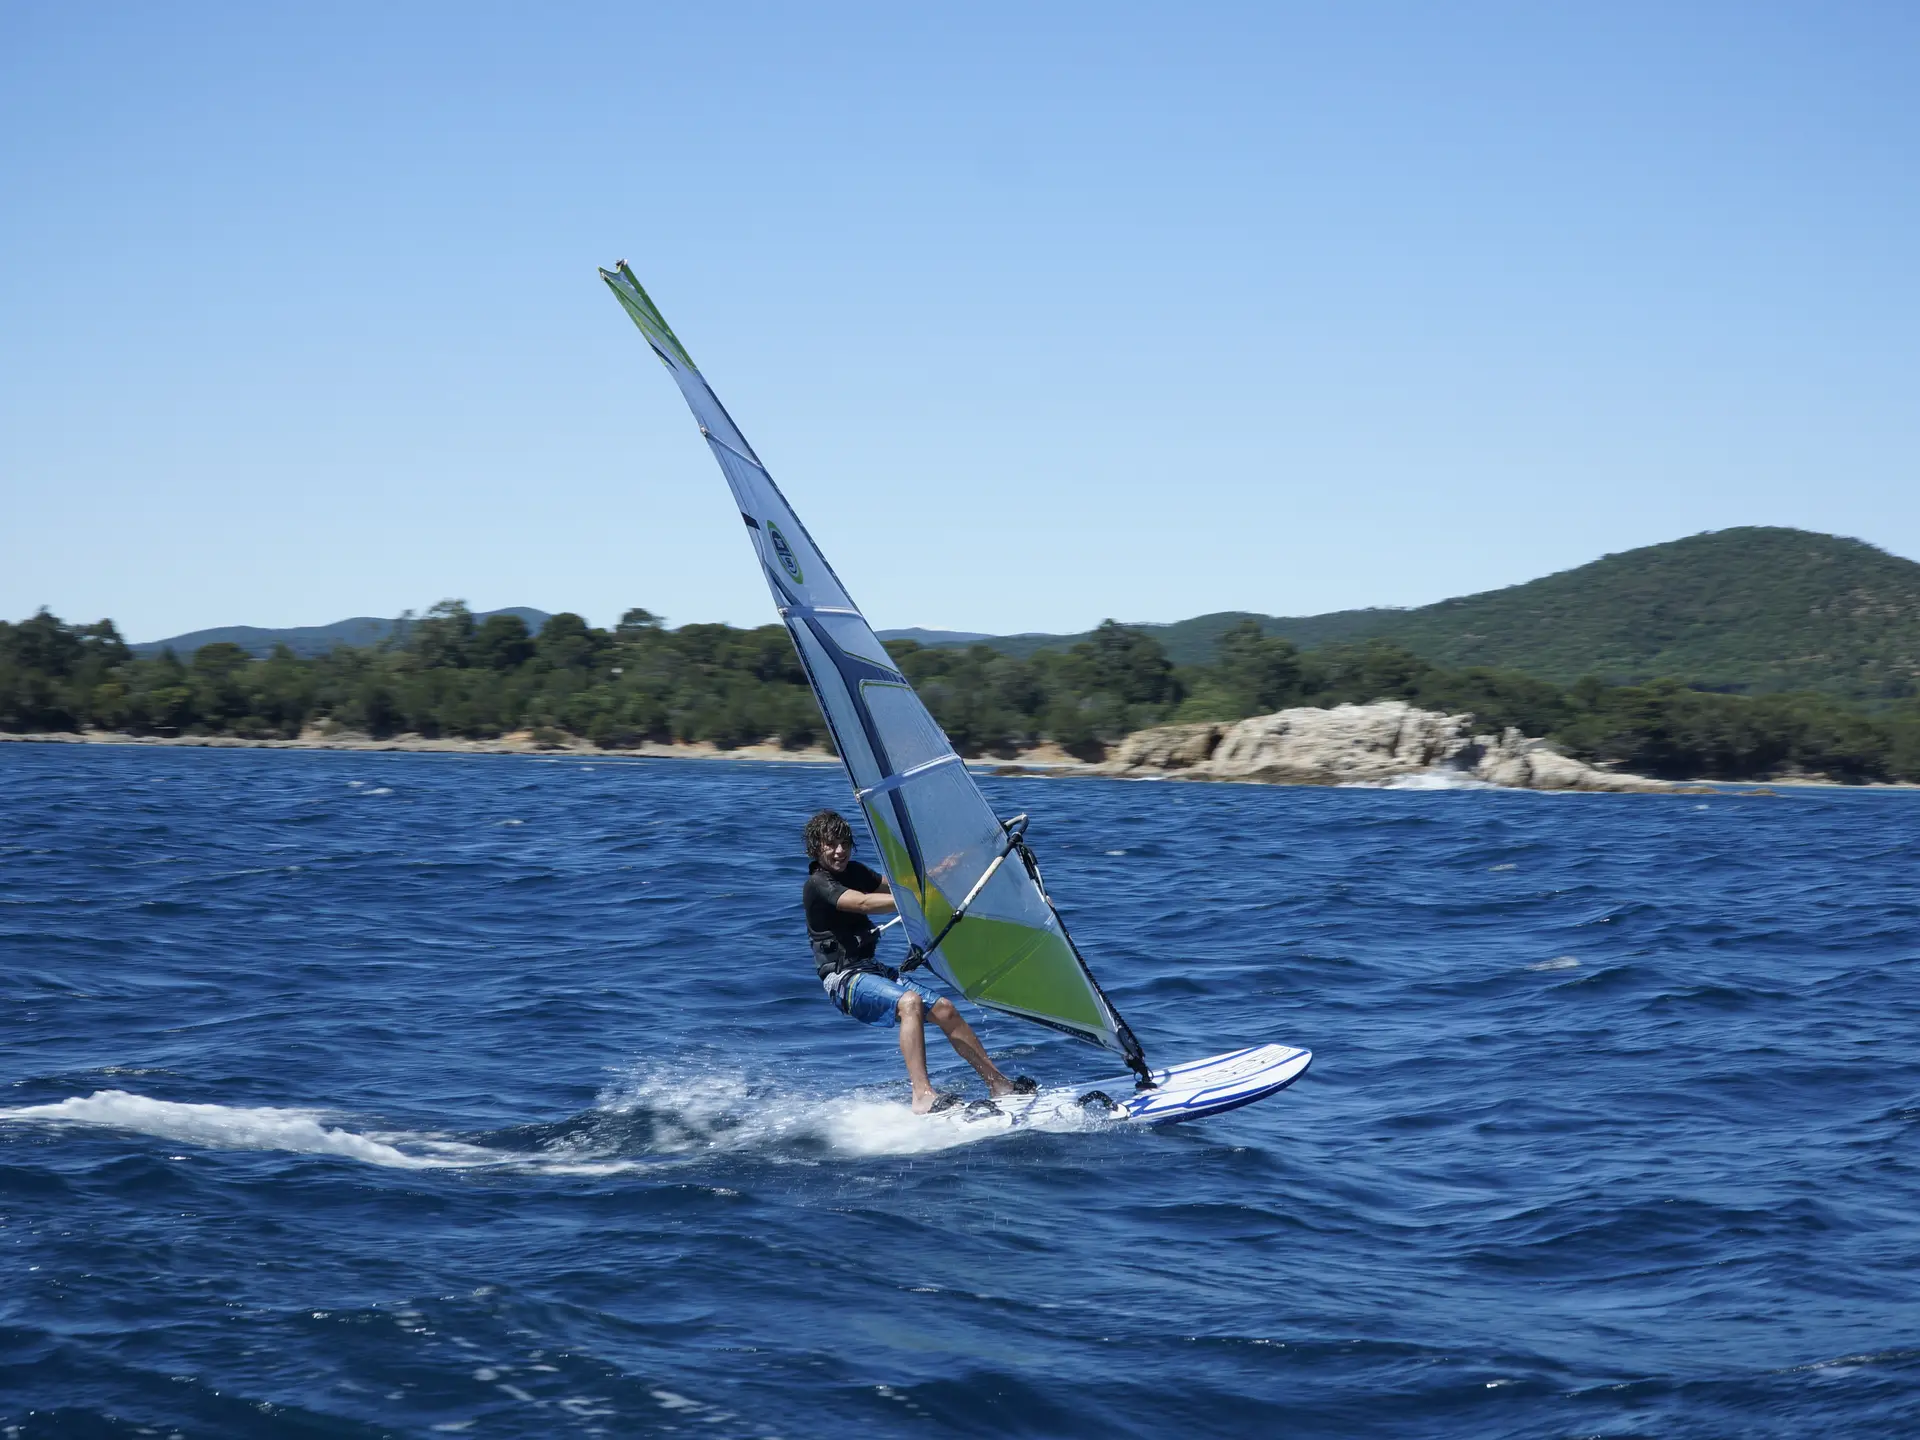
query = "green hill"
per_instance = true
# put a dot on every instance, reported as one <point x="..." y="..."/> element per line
<point x="1755" y="610"/>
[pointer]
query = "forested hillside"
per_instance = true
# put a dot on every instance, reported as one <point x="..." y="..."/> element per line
<point x="451" y="674"/>
<point x="1754" y="610"/>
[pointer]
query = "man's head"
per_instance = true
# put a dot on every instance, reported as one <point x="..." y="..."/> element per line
<point x="829" y="840"/>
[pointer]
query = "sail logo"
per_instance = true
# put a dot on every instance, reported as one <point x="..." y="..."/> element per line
<point x="784" y="551"/>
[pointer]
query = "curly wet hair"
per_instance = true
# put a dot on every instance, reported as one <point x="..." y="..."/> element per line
<point x="823" y="829"/>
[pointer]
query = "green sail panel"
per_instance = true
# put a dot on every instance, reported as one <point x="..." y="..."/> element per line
<point x="935" y="833"/>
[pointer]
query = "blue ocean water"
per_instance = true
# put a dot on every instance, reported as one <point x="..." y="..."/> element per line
<point x="388" y="1094"/>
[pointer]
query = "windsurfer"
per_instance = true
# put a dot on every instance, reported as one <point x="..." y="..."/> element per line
<point x="840" y="894"/>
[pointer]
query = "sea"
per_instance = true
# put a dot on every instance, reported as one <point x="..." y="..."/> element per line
<point x="383" y="1094"/>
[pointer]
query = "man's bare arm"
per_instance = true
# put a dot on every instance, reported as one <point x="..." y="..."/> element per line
<point x="857" y="903"/>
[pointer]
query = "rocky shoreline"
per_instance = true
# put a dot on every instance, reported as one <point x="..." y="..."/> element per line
<point x="1383" y="744"/>
<point x="1374" y="744"/>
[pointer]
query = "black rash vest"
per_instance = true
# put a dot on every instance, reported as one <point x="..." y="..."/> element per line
<point x="842" y="939"/>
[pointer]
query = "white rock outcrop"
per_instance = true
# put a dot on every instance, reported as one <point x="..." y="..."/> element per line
<point x="1168" y="747"/>
<point x="1352" y="744"/>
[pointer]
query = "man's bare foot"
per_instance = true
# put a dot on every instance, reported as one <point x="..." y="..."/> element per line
<point x="1019" y="1085"/>
<point x="923" y="1100"/>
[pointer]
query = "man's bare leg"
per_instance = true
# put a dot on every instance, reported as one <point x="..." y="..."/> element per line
<point x="965" y="1044"/>
<point x="913" y="1049"/>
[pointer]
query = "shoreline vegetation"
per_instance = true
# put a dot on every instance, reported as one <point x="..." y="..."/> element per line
<point x="1042" y="762"/>
<point x="448" y="682"/>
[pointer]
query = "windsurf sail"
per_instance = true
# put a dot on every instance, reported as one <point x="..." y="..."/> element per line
<point x="969" y="891"/>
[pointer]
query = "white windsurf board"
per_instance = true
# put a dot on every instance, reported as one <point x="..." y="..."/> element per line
<point x="1180" y="1092"/>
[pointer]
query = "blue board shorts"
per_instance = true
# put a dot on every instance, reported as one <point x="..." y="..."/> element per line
<point x="874" y="1000"/>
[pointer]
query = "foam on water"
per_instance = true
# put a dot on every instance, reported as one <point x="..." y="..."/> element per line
<point x="727" y="1113"/>
<point x="1424" y="780"/>
<point x="231" y="1127"/>
<point x="647" y="1120"/>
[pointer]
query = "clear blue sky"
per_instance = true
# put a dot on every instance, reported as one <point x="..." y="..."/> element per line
<point x="1039" y="313"/>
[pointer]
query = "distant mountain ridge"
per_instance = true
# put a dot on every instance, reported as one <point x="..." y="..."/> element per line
<point x="307" y="641"/>
<point x="1755" y="609"/>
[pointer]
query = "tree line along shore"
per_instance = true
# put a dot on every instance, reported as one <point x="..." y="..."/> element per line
<point x="446" y="675"/>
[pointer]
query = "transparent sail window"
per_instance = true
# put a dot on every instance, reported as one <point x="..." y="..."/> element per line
<point x="904" y="725"/>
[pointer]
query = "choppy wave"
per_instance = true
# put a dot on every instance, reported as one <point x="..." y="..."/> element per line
<point x="506" y="1103"/>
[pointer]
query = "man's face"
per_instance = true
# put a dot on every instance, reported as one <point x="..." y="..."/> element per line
<point x="834" y="854"/>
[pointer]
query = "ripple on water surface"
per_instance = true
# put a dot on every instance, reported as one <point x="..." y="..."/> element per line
<point x="375" y="1094"/>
